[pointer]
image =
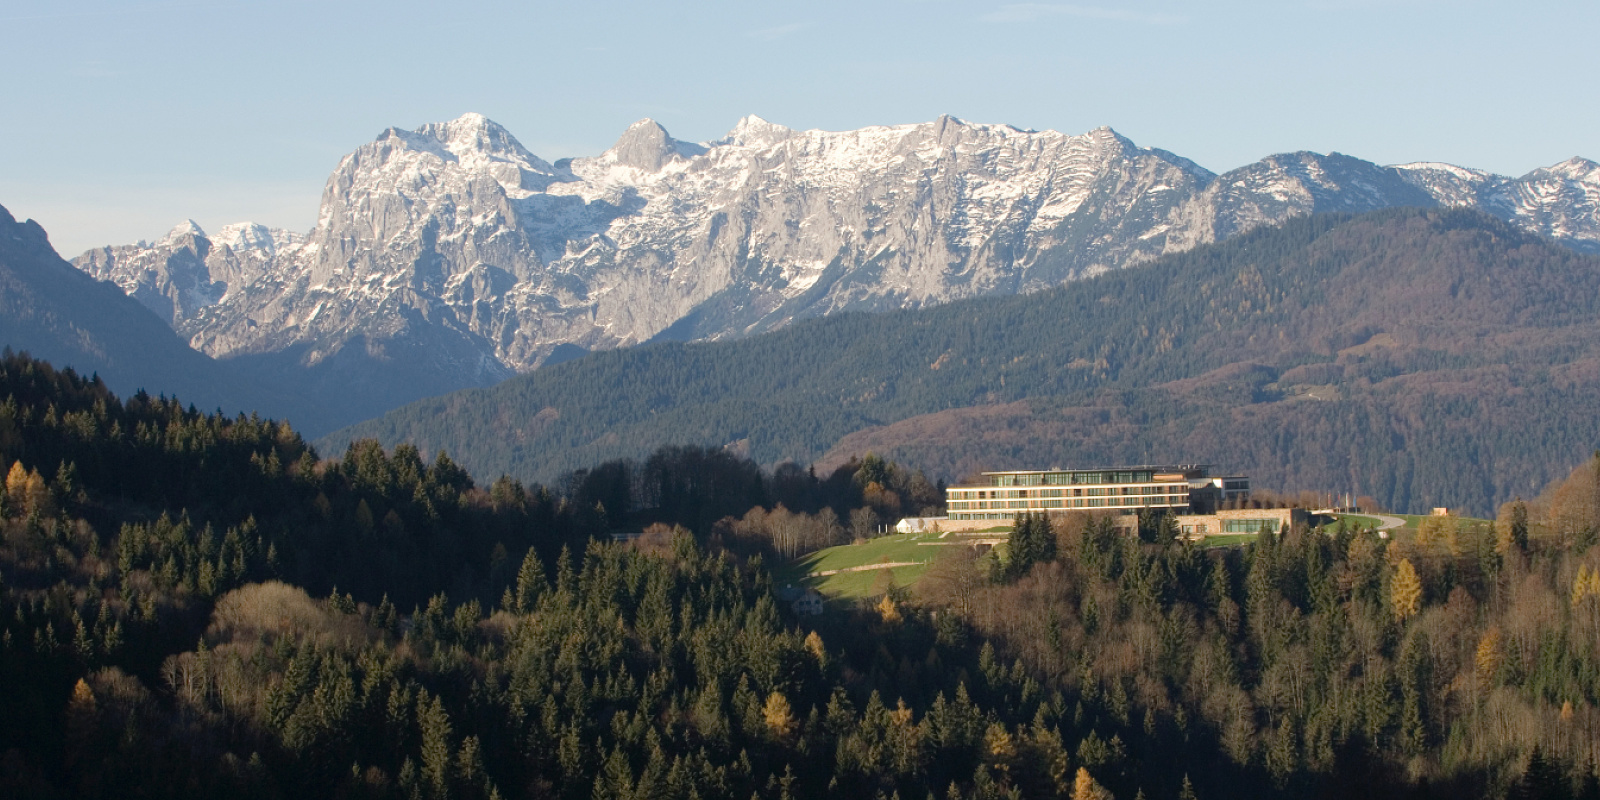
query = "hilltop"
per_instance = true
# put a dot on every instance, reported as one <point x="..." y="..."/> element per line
<point x="1407" y="354"/>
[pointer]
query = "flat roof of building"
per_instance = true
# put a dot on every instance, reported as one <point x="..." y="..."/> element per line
<point x="1132" y="468"/>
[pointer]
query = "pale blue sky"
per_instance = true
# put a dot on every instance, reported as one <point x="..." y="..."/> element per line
<point x="118" y="119"/>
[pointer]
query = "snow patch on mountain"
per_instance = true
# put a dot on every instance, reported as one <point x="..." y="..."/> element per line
<point x="455" y="245"/>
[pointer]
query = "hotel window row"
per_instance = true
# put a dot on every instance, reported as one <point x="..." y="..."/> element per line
<point x="1002" y="495"/>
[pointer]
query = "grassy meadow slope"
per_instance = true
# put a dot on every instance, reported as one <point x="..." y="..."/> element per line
<point x="1419" y="356"/>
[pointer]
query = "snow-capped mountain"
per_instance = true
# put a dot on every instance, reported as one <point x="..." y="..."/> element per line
<point x="1562" y="201"/>
<point x="186" y="270"/>
<point x="475" y="258"/>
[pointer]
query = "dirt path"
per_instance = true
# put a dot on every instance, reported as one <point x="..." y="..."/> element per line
<point x="865" y="568"/>
<point x="1386" y="522"/>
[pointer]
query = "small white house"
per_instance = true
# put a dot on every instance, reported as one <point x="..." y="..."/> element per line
<point x="920" y="524"/>
<point x="804" y="602"/>
<point x="808" y="604"/>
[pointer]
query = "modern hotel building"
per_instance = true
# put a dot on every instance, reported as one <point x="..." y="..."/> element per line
<point x="1181" y="488"/>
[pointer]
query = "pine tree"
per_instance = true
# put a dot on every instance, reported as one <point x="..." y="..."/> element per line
<point x="434" y="725"/>
<point x="1031" y="542"/>
<point x="531" y="582"/>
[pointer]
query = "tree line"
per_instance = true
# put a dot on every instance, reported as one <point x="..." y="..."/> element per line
<point x="194" y="605"/>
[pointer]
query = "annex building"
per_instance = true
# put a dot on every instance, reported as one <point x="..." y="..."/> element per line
<point x="1183" y="489"/>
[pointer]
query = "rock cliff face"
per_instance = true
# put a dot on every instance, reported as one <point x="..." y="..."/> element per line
<point x="453" y="248"/>
<point x="188" y="271"/>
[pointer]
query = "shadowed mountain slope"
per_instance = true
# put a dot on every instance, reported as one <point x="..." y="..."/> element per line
<point x="1330" y="352"/>
<point x="57" y="313"/>
<point x="450" y="256"/>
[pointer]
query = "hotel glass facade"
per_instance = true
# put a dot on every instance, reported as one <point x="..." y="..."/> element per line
<point x="1003" y="495"/>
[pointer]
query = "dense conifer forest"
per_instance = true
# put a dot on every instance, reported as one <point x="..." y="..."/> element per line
<point x="199" y="606"/>
<point x="1423" y="357"/>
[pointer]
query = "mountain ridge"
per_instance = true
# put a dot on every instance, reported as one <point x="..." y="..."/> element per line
<point x="1317" y="354"/>
<point x="57" y="313"/>
<point x="456" y="245"/>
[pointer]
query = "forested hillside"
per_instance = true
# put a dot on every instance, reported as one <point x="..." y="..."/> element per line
<point x="170" y="626"/>
<point x="1419" y="356"/>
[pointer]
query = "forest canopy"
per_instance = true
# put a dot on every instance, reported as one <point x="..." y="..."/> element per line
<point x="1421" y="356"/>
<point x="193" y="605"/>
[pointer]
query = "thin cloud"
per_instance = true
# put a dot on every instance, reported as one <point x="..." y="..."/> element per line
<point x="1029" y="12"/>
<point x="778" y="32"/>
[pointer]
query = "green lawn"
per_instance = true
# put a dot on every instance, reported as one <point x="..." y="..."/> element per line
<point x="1228" y="539"/>
<point x="896" y="548"/>
<point x="856" y="585"/>
<point x="1360" y="519"/>
<point x="1408" y="532"/>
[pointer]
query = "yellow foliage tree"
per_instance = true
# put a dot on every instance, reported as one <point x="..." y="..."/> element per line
<point x="998" y="747"/>
<point x="779" y="716"/>
<point x="1406" y="591"/>
<point x="815" y="647"/>
<point x="1586" y="585"/>
<point x="80" y="721"/>
<point x="901" y="715"/>
<point x="1432" y="531"/>
<point x="38" y="494"/>
<point x="17" y="485"/>
<point x="1488" y="657"/>
<point x="1085" y="787"/>
<point x="888" y="610"/>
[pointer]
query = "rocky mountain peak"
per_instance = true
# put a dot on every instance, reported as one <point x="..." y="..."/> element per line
<point x="1573" y="169"/>
<point x="254" y="237"/>
<point x="1108" y="136"/>
<point x="472" y="133"/>
<point x="453" y="249"/>
<point x="645" y="145"/>
<point x="185" y="229"/>
<point x="471" y="141"/>
<point x="753" y="131"/>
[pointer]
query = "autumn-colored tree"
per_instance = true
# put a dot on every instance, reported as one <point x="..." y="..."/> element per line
<point x="999" y="749"/>
<point x="1085" y="787"/>
<point x="1488" y="658"/>
<point x="888" y="610"/>
<point x="1405" y="593"/>
<point x="815" y="647"/>
<point x="1585" y="585"/>
<point x="1511" y="527"/>
<point x="1440" y="533"/>
<point x="778" y="716"/>
<point x="1573" y="505"/>
<point x="80" y="722"/>
<point x="17" y="484"/>
<point x="954" y="580"/>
